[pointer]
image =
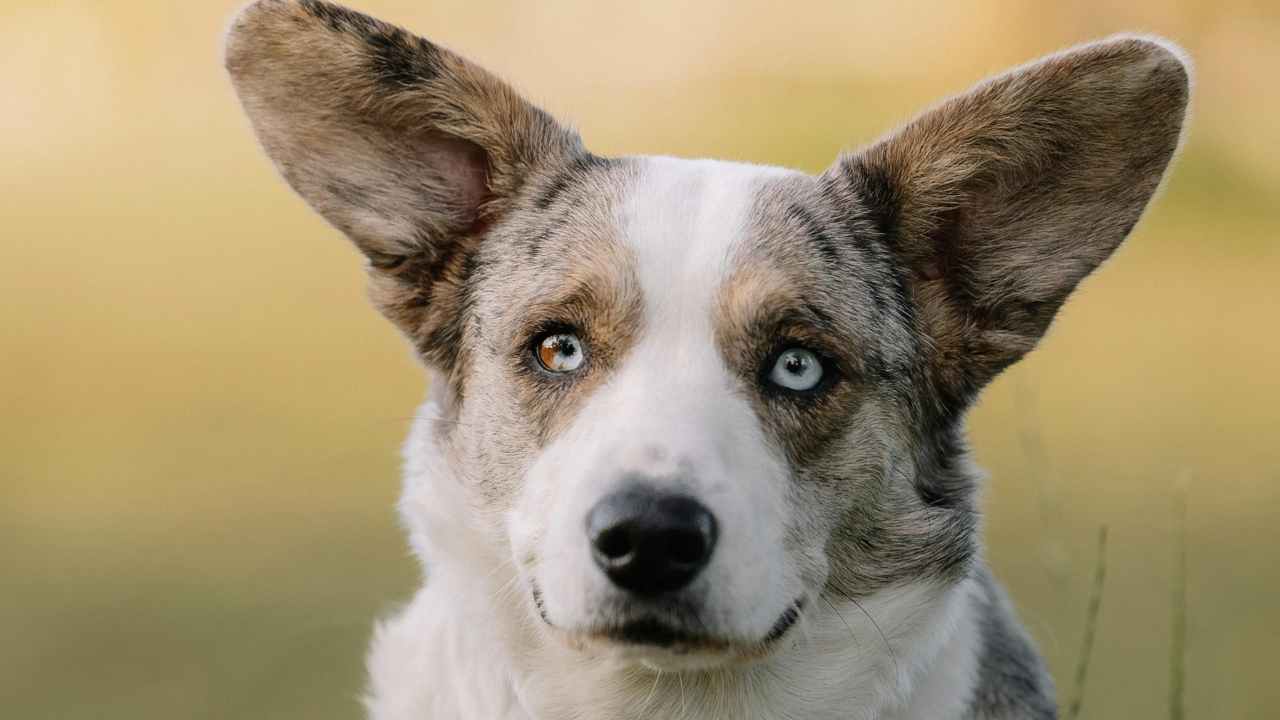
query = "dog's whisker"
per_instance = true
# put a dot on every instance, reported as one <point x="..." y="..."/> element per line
<point x="684" y="707"/>
<point x="844" y="622"/>
<point x="897" y="670"/>
<point x="657" y="678"/>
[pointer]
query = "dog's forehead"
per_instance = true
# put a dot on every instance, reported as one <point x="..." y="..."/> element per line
<point x="697" y="244"/>
<point x="670" y="230"/>
<point x="688" y="223"/>
<point x="728" y="243"/>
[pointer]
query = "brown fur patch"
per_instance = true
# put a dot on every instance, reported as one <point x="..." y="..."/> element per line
<point x="761" y="313"/>
<point x="599" y="300"/>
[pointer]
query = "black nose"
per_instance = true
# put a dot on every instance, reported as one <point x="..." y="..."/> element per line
<point x="649" y="542"/>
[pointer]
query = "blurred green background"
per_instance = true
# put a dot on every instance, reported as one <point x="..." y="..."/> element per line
<point x="201" y="416"/>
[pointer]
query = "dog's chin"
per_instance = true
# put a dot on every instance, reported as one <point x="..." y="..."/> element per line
<point x="671" y="644"/>
<point x="677" y="658"/>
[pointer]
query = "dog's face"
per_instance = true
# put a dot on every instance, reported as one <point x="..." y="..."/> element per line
<point x="700" y="380"/>
<point x="695" y="398"/>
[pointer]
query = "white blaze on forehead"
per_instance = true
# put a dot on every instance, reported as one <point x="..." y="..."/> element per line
<point x="683" y="220"/>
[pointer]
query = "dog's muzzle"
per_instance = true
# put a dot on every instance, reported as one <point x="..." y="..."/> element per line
<point x="652" y="545"/>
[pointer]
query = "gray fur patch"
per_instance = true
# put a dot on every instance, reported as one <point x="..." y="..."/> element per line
<point x="1013" y="683"/>
<point x="817" y="275"/>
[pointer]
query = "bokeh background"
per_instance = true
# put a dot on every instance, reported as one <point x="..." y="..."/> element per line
<point x="200" y="416"/>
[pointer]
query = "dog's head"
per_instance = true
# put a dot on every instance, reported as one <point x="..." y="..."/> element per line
<point x="694" y="397"/>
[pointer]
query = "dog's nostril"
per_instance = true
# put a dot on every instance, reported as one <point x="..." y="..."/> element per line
<point x="615" y="543"/>
<point x="649" y="542"/>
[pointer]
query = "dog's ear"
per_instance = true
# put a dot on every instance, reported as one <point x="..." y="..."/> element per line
<point x="999" y="201"/>
<point x="405" y="147"/>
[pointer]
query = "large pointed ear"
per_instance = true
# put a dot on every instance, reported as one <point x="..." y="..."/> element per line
<point x="405" y="147"/>
<point x="999" y="201"/>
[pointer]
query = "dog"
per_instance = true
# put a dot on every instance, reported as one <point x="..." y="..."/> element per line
<point x="693" y="445"/>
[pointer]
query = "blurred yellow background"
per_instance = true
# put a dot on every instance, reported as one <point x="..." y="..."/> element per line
<point x="198" y="446"/>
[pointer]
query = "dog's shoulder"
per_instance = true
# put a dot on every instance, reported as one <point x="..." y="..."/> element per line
<point x="1012" y="679"/>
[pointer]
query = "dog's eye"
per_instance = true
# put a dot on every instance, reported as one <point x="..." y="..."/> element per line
<point x="796" y="369"/>
<point x="559" y="352"/>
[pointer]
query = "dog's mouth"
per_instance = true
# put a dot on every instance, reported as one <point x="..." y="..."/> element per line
<point x="679" y="632"/>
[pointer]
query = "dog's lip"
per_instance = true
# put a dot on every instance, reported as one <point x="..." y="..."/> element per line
<point x="656" y="632"/>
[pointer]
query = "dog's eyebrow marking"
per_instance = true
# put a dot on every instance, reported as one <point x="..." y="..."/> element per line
<point x="822" y="319"/>
<point x="817" y="235"/>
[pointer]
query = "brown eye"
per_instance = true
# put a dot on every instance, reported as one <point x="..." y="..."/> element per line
<point x="559" y="353"/>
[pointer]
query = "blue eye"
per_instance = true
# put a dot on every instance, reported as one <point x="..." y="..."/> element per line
<point x="796" y="369"/>
<point x="559" y="353"/>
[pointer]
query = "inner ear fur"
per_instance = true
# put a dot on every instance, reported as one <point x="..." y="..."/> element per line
<point x="999" y="201"/>
<point x="407" y="148"/>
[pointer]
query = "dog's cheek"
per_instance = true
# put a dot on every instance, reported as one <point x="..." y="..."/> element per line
<point x="524" y="532"/>
<point x="528" y="507"/>
<point x="546" y="530"/>
<point x="845" y="467"/>
<point x="847" y="491"/>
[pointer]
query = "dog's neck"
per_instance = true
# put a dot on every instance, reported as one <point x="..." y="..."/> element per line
<point x="469" y="647"/>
